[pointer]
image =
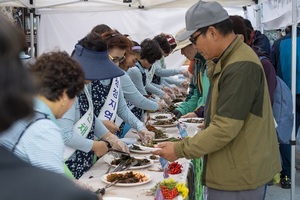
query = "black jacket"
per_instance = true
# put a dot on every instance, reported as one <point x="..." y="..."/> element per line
<point x="19" y="181"/>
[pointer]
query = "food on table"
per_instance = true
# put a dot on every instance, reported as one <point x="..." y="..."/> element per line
<point x="177" y="100"/>
<point x="166" y="122"/>
<point x="174" y="168"/>
<point x="169" y="193"/>
<point x="170" y="189"/>
<point x="127" y="177"/>
<point x="161" y="117"/>
<point x="135" y="147"/>
<point x="151" y="144"/>
<point x="140" y="162"/>
<point x="150" y="127"/>
<point x="197" y="121"/>
<point x="154" y="157"/>
<point x="158" y="133"/>
<point x="171" y="108"/>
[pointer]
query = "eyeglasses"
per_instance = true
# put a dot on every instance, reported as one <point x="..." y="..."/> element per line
<point x="117" y="59"/>
<point x="193" y="40"/>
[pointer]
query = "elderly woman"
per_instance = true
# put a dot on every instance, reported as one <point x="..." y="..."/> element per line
<point x="134" y="98"/>
<point x="38" y="141"/>
<point x="80" y="124"/>
<point x="150" y="52"/>
<point x="110" y="105"/>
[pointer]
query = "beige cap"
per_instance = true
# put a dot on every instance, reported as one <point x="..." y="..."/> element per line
<point x="181" y="44"/>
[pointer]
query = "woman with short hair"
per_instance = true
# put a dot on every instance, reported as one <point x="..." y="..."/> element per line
<point x="39" y="141"/>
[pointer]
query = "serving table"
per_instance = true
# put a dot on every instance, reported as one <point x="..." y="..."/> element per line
<point x="93" y="176"/>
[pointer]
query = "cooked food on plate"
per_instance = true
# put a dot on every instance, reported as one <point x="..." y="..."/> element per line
<point x="127" y="177"/>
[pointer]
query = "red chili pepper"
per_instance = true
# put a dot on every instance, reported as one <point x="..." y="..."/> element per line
<point x="174" y="168"/>
<point x="169" y="193"/>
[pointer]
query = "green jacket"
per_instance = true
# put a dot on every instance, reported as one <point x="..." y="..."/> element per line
<point x="199" y="86"/>
<point x="239" y="143"/>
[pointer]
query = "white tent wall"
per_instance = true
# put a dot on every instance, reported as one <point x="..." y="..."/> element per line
<point x="278" y="14"/>
<point x="63" y="30"/>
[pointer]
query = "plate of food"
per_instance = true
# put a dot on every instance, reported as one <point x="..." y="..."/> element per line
<point x="136" y="149"/>
<point x="194" y="120"/>
<point x="164" y="124"/>
<point x="161" y="117"/>
<point x="148" y="147"/>
<point x="127" y="178"/>
<point x="154" y="158"/>
<point x="139" y="162"/>
<point x="171" y="108"/>
<point x="159" y="134"/>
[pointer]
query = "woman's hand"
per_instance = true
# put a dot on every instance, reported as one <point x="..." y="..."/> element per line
<point x="111" y="126"/>
<point x="189" y="115"/>
<point x="146" y="136"/>
<point x="176" y="91"/>
<point x="184" y="84"/>
<point x="115" y="142"/>
<point x="99" y="148"/>
<point x="185" y="73"/>
<point x="167" y="99"/>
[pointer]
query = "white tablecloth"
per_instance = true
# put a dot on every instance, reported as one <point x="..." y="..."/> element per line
<point x="93" y="176"/>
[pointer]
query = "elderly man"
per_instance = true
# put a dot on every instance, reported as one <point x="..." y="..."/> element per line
<point x="199" y="84"/>
<point x="239" y="143"/>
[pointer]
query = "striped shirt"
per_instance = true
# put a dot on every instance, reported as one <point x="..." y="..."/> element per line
<point x="41" y="144"/>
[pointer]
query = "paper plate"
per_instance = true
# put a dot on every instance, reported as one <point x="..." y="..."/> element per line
<point x="108" y="159"/>
<point x="148" y="148"/>
<point x="191" y="121"/>
<point x="156" y="160"/>
<point x="147" y="178"/>
<point x="143" y="151"/>
<point x="161" y="117"/>
<point x="163" y="125"/>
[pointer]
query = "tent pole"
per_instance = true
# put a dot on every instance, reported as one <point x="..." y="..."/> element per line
<point x="258" y="17"/>
<point x="31" y="34"/>
<point x="293" y="88"/>
<point x="37" y="34"/>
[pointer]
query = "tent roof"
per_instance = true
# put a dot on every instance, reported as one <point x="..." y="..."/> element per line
<point x="98" y="5"/>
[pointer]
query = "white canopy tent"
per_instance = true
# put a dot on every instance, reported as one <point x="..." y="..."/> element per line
<point x="278" y="13"/>
<point x="63" y="30"/>
<point x="63" y="22"/>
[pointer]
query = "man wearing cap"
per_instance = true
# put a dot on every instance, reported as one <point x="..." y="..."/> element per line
<point x="199" y="82"/>
<point x="239" y="142"/>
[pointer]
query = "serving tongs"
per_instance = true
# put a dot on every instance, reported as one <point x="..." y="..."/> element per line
<point x="102" y="190"/>
<point x="122" y="154"/>
<point x="124" y="164"/>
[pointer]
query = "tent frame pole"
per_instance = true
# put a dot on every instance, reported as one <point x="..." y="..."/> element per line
<point x="293" y="88"/>
<point x="31" y="34"/>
